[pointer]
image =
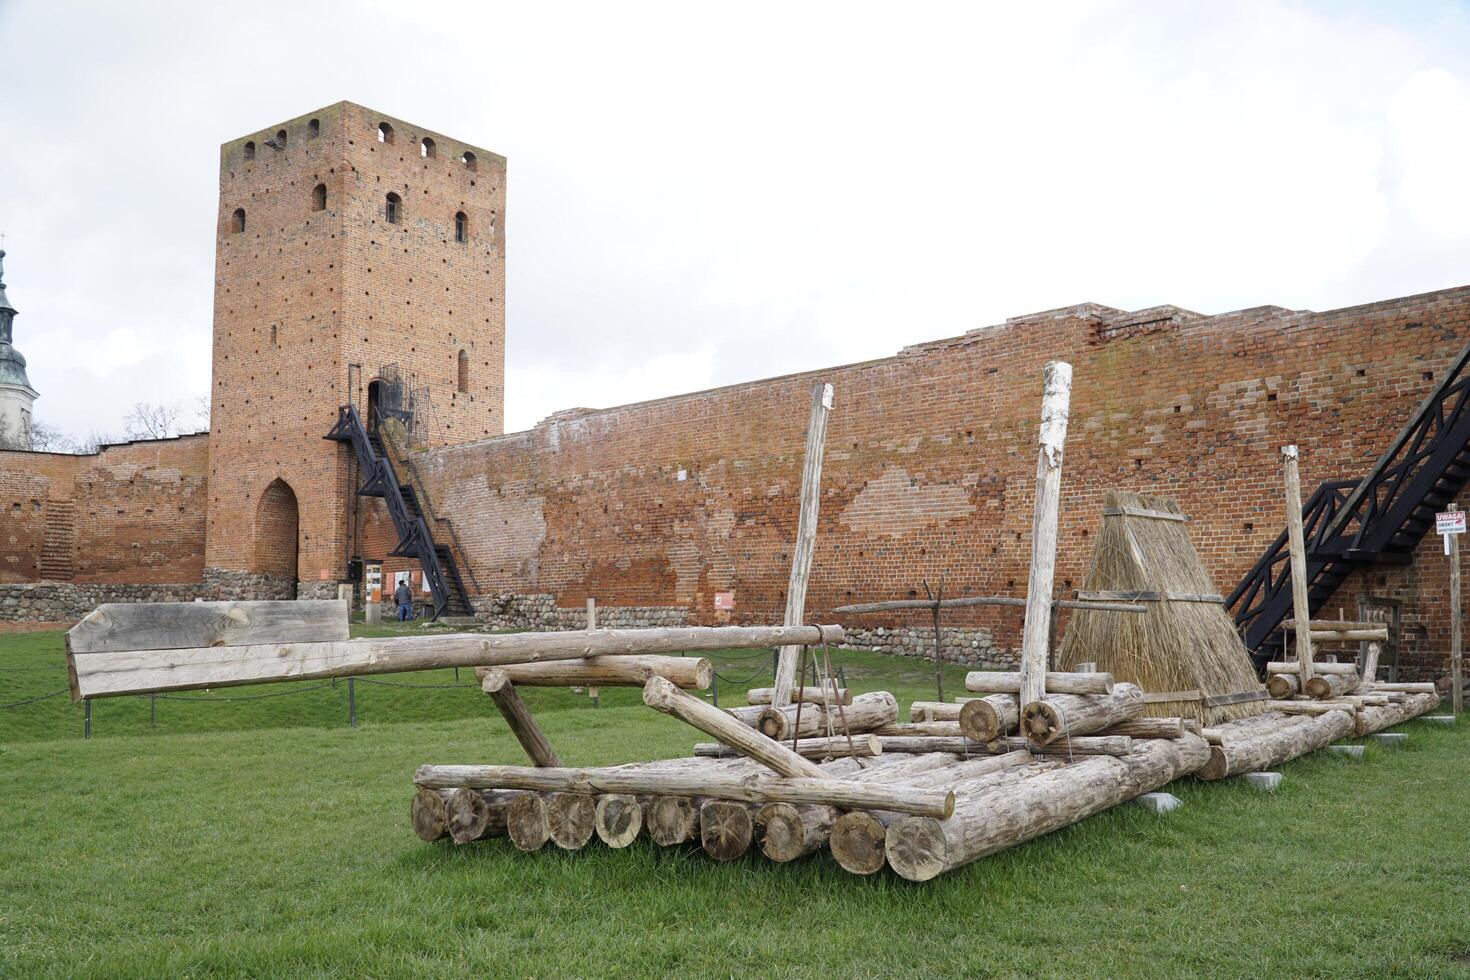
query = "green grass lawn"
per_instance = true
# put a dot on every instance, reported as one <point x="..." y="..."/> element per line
<point x="266" y="837"/>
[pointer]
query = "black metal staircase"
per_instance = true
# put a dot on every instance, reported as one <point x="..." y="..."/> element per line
<point x="414" y="537"/>
<point x="1379" y="519"/>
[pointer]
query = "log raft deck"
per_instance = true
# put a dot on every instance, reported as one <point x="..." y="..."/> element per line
<point x="1038" y="750"/>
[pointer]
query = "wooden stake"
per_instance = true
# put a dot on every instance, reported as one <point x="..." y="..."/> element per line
<point x="1055" y="407"/>
<point x="497" y="684"/>
<point x="1300" y="602"/>
<point x="806" y="537"/>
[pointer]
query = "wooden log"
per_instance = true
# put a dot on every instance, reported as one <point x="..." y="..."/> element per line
<point x="1297" y="549"/>
<point x="525" y="821"/>
<point x="121" y="626"/>
<point x="988" y="718"/>
<point x="725" y="829"/>
<point x="660" y="695"/>
<point x="1079" y="745"/>
<point x="867" y="712"/>
<point x="1403" y="687"/>
<point x="1057" y="682"/>
<point x="1310" y="707"/>
<point x="856" y="838"/>
<point x="1283" y="687"/>
<point x="1370" y="662"/>
<point x="1082" y="745"/>
<point x="1277" y="667"/>
<point x="1016" y="811"/>
<point x="895" y="605"/>
<point x="862" y="745"/>
<point x="618" y="818"/>
<point x="1370" y="720"/>
<point x="671" y="820"/>
<point x="571" y="819"/>
<point x="519" y="719"/>
<point x="1259" y="748"/>
<point x="789" y="832"/>
<point x="951" y="728"/>
<point x="1036" y="631"/>
<point x="98" y="675"/>
<point x="1069" y="715"/>
<point x="427" y="814"/>
<point x="1379" y="634"/>
<point x="477" y="814"/>
<point x="806" y="537"/>
<point x="709" y="782"/>
<point x="748" y="715"/>
<point x="690" y="673"/>
<point x="1330" y="686"/>
<point x="1149" y="728"/>
<point x="937" y="710"/>
<point x="806" y="695"/>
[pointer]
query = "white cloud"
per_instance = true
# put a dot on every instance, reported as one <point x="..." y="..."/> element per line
<point x="703" y="195"/>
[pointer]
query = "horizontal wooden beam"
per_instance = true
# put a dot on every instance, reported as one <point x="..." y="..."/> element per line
<point x="895" y="605"/>
<point x="845" y="793"/>
<point x="101" y="675"/>
<point x="1153" y="515"/>
<point x="117" y="626"/>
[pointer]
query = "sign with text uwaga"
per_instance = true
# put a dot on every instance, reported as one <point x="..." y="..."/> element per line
<point x="1447" y="523"/>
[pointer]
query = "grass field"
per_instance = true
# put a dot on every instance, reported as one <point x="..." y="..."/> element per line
<point x="255" y="838"/>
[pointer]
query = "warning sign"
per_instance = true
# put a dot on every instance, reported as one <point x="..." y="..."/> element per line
<point x="724" y="600"/>
<point x="1450" y="522"/>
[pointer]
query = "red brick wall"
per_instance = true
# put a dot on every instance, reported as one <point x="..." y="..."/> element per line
<point x="136" y="511"/>
<point x="28" y="484"/>
<point x="301" y="295"/>
<point x="276" y="525"/>
<point x="930" y="459"/>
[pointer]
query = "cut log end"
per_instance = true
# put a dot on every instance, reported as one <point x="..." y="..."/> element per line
<point x="1282" y="686"/>
<point x="619" y="818"/>
<point x="571" y="819"/>
<point x="1041" y="722"/>
<point x="427" y="814"/>
<point x="857" y="843"/>
<point x="784" y="838"/>
<point x="989" y="718"/>
<point x="916" y="848"/>
<point x="671" y="820"/>
<point x="525" y="822"/>
<point x="468" y="815"/>
<point x="1218" y="767"/>
<point x="725" y="829"/>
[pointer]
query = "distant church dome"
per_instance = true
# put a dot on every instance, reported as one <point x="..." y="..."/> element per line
<point x="16" y="394"/>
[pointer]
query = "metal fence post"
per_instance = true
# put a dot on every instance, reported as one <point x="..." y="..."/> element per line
<point x="351" y="703"/>
<point x="715" y="687"/>
<point x="86" y="719"/>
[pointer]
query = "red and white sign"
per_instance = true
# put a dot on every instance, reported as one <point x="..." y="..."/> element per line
<point x="1450" y="522"/>
<point x="724" y="600"/>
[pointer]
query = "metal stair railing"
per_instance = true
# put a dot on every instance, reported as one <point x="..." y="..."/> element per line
<point x="1382" y="518"/>
<point x="379" y="480"/>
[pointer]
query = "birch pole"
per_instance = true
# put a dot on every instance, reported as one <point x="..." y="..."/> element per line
<point x="1457" y="680"/>
<point x="806" y="538"/>
<point x="1055" y="407"/>
<point x="1296" y="541"/>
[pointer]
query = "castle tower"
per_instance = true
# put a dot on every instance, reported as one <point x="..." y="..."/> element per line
<point x="16" y="394"/>
<point x="355" y="254"/>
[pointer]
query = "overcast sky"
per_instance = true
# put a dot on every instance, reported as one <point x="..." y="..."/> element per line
<point x="701" y="194"/>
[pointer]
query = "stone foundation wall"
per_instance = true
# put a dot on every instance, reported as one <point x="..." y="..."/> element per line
<point x="539" y="613"/>
<point x="220" y="583"/>
<point x="962" y="645"/>
<point x="67" y="602"/>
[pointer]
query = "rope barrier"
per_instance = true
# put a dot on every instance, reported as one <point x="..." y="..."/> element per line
<point x="43" y="697"/>
<point x="245" y="697"/>
<point x="467" y="687"/>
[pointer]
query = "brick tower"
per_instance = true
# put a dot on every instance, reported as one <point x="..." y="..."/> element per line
<point x="355" y="252"/>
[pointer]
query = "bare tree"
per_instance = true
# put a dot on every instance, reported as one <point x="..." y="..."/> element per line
<point x="93" y="441"/>
<point x="201" y="413"/>
<point x="149" y="421"/>
<point x="47" y="438"/>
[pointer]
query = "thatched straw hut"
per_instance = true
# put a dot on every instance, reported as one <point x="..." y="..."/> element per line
<point x="1186" y="642"/>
